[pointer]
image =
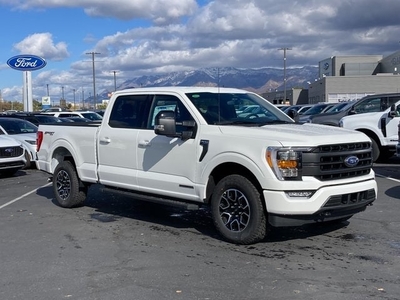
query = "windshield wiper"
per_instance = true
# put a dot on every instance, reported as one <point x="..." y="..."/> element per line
<point x="238" y="122"/>
<point x="276" y="122"/>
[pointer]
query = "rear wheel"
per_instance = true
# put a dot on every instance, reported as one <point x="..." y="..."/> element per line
<point x="68" y="189"/>
<point x="237" y="210"/>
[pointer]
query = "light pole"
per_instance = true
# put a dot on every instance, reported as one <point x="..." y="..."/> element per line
<point x="62" y="95"/>
<point x="74" y="97"/>
<point x="94" y="80"/>
<point x="284" y="71"/>
<point x="115" y="81"/>
<point x="83" y="98"/>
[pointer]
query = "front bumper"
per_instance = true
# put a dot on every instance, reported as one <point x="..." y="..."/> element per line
<point x="327" y="204"/>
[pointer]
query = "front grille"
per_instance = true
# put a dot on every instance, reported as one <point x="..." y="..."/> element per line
<point x="350" y="199"/>
<point x="328" y="162"/>
<point x="6" y="152"/>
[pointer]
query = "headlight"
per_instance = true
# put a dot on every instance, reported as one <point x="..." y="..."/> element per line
<point x="285" y="162"/>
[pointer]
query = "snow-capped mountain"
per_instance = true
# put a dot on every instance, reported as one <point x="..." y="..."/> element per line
<point x="260" y="80"/>
<point x="257" y="80"/>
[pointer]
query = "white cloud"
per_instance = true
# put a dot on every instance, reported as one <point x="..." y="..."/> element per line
<point x="42" y="44"/>
<point x="159" y="11"/>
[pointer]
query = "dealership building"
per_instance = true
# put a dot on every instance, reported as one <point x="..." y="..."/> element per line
<point x="345" y="78"/>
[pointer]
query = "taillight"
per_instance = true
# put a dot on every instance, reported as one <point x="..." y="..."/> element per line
<point x="39" y="140"/>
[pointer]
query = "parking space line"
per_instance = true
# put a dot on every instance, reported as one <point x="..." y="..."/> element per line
<point x="23" y="196"/>
<point x="390" y="178"/>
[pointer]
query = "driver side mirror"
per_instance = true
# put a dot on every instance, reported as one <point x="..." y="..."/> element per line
<point x="164" y="123"/>
<point x="293" y="114"/>
<point x="393" y="112"/>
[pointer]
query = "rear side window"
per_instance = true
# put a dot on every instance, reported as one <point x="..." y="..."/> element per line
<point x="130" y="111"/>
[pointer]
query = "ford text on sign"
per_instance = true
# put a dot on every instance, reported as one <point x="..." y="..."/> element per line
<point x="26" y="62"/>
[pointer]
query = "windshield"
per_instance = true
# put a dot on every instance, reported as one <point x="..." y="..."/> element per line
<point x="225" y="109"/>
<point x="92" y="116"/>
<point x="336" y="107"/>
<point x="17" y="126"/>
<point x="316" y="109"/>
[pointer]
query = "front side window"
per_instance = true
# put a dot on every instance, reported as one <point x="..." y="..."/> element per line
<point x="374" y="104"/>
<point x="172" y="103"/>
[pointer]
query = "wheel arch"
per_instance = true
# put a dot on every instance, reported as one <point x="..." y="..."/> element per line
<point x="371" y="135"/>
<point x="59" y="155"/>
<point x="229" y="168"/>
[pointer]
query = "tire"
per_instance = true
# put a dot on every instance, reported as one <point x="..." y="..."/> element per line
<point x="237" y="211"/>
<point x="28" y="160"/>
<point x="67" y="187"/>
<point x="376" y="152"/>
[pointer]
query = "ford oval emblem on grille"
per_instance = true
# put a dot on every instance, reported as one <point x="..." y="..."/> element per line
<point x="351" y="161"/>
<point x="9" y="150"/>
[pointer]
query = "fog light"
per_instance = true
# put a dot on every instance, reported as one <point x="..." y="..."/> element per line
<point x="300" y="194"/>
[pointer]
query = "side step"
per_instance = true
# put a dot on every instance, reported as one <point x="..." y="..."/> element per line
<point x="151" y="198"/>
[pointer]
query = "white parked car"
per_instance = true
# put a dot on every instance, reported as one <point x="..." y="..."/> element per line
<point x="91" y="115"/>
<point x="12" y="156"/>
<point x="24" y="132"/>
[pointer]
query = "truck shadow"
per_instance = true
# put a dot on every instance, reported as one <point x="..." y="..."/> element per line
<point x="109" y="207"/>
<point x="393" y="192"/>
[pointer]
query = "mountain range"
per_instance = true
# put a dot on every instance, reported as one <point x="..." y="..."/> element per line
<point x="259" y="80"/>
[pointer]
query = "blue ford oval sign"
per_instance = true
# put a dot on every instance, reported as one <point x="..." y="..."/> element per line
<point x="351" y="161"/>
<point x="26" y="62"/>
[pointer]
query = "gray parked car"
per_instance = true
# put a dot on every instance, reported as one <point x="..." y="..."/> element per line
<point x="371" y="103"/>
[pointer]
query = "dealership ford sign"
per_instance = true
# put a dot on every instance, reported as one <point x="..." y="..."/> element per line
<point x="26" y="62"/>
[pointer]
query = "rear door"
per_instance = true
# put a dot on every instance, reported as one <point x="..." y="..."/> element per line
<point x="117" y="144"/>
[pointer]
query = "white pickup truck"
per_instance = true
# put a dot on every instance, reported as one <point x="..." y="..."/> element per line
<point x="187" y="146"/>
<point x="381" y="127"/>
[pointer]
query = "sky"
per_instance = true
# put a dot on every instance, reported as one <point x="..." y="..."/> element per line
<point x="131" y="38"/>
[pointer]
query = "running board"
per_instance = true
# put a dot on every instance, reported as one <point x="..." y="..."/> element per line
<point x="151" y="198"/>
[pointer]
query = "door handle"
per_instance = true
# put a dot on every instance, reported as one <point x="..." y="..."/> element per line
<point x="144" y="143"/>
<point x="105" y="140"/>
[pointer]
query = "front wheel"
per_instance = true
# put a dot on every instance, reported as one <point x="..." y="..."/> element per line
<point x="67" y="187"/>
<point x="376" y="152"/>
<point x="237" y="211"/>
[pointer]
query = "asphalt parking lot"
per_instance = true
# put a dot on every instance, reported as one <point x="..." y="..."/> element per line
<point x="118" y="248"/>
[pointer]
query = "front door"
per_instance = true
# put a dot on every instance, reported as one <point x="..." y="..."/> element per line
<point x="167" y="165"/>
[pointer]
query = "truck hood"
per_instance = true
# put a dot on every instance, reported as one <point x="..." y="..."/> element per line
<point x="6" y="141"/>
<point x="297" y="134"/>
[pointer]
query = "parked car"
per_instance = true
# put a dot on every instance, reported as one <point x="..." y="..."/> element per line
<point x="24" y="132"/>
<point x="371" y="103"/>
<point x="300" y="108"/>
<point x="91" y="115"/>
<point x="12" y="156"/>
<point x="381" y="127"/>
<point x="314" y="110"/>
<point x="252" y="111"/>
<point x="36" y="118"/>
<point x="76" y="119"/>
